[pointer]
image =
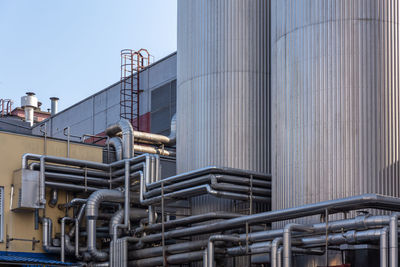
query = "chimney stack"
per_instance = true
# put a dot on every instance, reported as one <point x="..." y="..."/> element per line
<point x="54" y="105"/>
<point x="29" y="103"/>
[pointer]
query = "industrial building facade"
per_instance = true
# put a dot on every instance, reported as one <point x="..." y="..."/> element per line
<point x="93" y="114"/>
<point x="287" y="141"/>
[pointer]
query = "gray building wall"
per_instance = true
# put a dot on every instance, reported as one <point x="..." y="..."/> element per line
<point x="93" y="114"/>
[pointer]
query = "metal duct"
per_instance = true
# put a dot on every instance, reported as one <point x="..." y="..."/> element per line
<point x="116" y="143"/>
<point x="335" y="100"/>
<point x="123" y="126"/>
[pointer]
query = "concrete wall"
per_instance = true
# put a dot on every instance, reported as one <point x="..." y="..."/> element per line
<point x="93" y="114"/>
<point x="21" y="225"/>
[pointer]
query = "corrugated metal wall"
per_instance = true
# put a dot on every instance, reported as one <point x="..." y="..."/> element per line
<point x="335" y="99"/>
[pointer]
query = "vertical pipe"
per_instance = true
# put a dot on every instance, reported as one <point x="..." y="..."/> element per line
<point x="63" y="238"/>
<point x="127" y="195"/>
<point x="287" y="249"/>
<point x="383" y="247"/>
<point x="42" y="192"/>
<point x="77" y="238"/>
<point x="275" y="245"/>
<point x="393" y="240"/>
<point x="210" y="254"/>
<point x="287" y="241"/>
<point x="279" y="257"/>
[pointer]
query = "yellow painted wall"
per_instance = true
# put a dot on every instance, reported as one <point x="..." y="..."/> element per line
<point x="12" y="147"/>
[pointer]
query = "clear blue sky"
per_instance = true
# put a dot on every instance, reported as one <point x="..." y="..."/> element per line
<point x="71" y="48"/>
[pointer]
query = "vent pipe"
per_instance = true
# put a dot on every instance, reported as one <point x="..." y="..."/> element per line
<point x="29" y="103"/>
<point x="54" y="105"/>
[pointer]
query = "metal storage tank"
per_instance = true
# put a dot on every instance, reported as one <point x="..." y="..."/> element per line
<point x="223" y="89"/>
<point x="335" y="99"/>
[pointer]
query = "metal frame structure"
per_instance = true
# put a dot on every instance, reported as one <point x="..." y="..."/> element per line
<point x="132" y="63"/>
<point x="6" y="106"/>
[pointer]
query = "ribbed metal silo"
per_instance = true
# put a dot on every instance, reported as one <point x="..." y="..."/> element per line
<point x="335" y="99"/>
<point x="222" y="89"/>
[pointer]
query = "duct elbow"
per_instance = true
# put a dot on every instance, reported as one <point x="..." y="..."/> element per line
<point x="124" y="127"/>
<point x="95" y="199"/>
<point x="54" y="198"/>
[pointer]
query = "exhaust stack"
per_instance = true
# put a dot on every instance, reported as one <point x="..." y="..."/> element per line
<point x="29" y="103"/>
<point x="54" y="105"/>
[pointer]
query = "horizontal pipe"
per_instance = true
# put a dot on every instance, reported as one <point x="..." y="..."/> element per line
<point x="334" y="206"/>
<point x="209" y="170"/>
<point x="188" y="220"/>
<point x="154" y="150"/>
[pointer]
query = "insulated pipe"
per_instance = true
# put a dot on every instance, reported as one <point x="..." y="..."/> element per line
<point x="275" y="245"/>
<point x="47" y="226"/>
<point x="383" y="247"/>
<point x="210" y="170"/>
<point x="188" y="220"/>
<point x="171" y="259"/>
<point x="335" y="206"/>
<point x="287" y="240"/>
<point x="201" y="189"/>
<point x="73" y="162"/>
<point x="213" y="180"/>
<point x="54" y="198"/>
<point x="125" y="127"/>
<point x="116" y="143"/>
<point x="153" y="138"/>
<point x="279" y="257"/>
<point x="63" y="221"/>
<point x="75" y="178"/>
<point x="172" y="134"/>
<point x="393" y="241"/>
<point x="210" y="246"/>
<point x="92" y="210"/>
<point x="126" y="224"/>
<point x="70" y="170"/>
<point x="73" y="187"/>
<point x="117" y="218"/>
<point x="79" y="217"/>
<point x="42" y="189"/>
<point x="153" y="150"/>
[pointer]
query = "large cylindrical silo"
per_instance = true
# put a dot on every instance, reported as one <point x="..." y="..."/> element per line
<point x="223" y="90"/>
<point x="335" y="99"/>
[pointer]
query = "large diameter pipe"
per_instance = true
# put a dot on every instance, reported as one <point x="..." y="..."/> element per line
<point x="118" y="217"/>
<point x="287" y="240"/>
<point x="153" y="150"/>
<point x="123" y="126"/>
<point x="126" y="224"/>
<point x="92" y="211"/>
<point x="116" y="143"/>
